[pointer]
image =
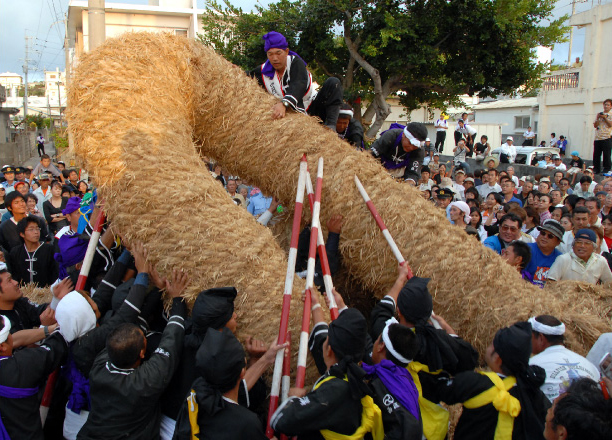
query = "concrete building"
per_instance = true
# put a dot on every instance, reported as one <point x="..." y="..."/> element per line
<point x="512" y="115"/>
<point x="177" y="16"/>
<point x="11" y="82"/>
<point x="570" y="98"/>
<point x="55" y="87"/>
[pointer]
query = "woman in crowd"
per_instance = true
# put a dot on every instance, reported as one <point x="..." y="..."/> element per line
<point x="426" y="194"/>
<point x="566" y="222"/>
<point x="558" y="212"/>
<point x="532" y="221"/>
<point x="82" y="187"/>
<point x="31" y="201"/>
<point x="441" y="174"/>
<point x="476" y="223"/>
<point x="493" y="203"/>
<point x="52" y="209"/>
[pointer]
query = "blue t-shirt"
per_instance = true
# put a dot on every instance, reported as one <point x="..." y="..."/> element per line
<point x="540" y="264"/>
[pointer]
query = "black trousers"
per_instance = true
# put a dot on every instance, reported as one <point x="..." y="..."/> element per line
<point x="458" y="137"/>
<point x="440" y="138"/>
<point x="527" y="143"/>
<point x="326" y="106"/>
<point x="602" y="147"/>
<point x="41" y="147"/>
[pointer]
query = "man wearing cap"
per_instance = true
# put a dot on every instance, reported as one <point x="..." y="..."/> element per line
<point x="491" y="186"/>
<point x="577" y="165"/>
<point x="211" y="410"/>
<point x="125" y="389"/>
<point x="9" y="175"/>
<point x="45" y="166"/>
<point x="214" y="310"/>
<point x="582" y="263"/>
<point x="444" y="197"/>
<point x="441" y="126"/>
<point x="544" y="251"/>
<point x="285" y="76"/>
<point x="559" y="165"/>
<point x="400" y="151"/>
<point x="428" y="150"/>
<point x="43" y="192"/>
<point x="546" y="161"/>
<point x="20" y="174"/>
<point x="508" y="151"/>
<point x="340" y="403"/>
<point x="550" y="354"/>
<point x="410" y="300"/>
<point x="504" y="403"/>
<point x="529" y="136"/>
<point x="580" y="220"/>
<point x="72" y="245"/>
<point x="349" y="128"/>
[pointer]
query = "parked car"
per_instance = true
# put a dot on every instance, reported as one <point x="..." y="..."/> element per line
<point x="528" y="155"/>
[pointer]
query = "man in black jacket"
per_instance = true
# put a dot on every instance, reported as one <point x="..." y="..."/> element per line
<point x="125" y="391"/>
<point x="285" y="76"/>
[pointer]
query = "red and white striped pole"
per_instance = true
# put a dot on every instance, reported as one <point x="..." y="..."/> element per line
<point x="286" y="382"/>
<point x="381" y="224"/>
<point x="284" y="322"/>
<point x="312" y="255"/>
<point x="327" y="279"/>
<point x="80" y="285"/>
<point x="91" y="251"/>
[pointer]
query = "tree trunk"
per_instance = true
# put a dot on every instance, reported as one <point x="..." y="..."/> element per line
<point x="382" y="108"/>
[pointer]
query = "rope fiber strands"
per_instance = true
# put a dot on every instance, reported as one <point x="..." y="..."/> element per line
<point x="122" y="131"/>
<point x="284" y="321"/>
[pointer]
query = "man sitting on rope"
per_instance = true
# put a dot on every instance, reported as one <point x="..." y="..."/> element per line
<point x="286" y="77"/>
<point x="349" y="128"/>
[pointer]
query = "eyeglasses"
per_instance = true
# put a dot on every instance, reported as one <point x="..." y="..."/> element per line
<point x="509" y="228"/>
<point x="583" y="243"/>
<point x="547" y="234"/>
<point x="33" y="229"/>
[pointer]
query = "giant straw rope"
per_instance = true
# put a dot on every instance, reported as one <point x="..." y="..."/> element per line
<point x="140" y="104"/>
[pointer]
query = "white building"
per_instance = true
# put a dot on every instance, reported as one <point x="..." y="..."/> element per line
<point x="55" y="87"/>
<point x="11" y="82"/>
<point x="570" y="98"/>
<point x="178" y="16"/>
<point x="513" y="115"/>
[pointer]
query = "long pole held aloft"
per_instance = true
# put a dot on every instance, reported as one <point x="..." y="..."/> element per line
<point x="327" y="279"/>
<point x="284" y="322"/>
<point x="312" y="255"/>
<point x="80" y="285"/>
<point x="381" y="225"/>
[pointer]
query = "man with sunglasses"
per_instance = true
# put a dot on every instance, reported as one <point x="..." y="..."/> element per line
<point x="509" y="230"/>
<point x="544" y="252"/>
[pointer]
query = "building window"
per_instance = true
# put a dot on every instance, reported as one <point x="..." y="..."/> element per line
<point x="52" y="76"/>
<point x="181" y="32"/>
<point x="521" y="122"/>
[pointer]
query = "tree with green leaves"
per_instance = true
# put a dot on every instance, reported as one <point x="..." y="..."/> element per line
<point x="425" y="52"/>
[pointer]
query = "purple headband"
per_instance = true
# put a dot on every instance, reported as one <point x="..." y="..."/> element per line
<point x="274" y="40"/>
<point x="73" y="204"/>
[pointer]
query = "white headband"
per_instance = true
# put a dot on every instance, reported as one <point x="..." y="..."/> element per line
<point x="537" y="326"/>
<point x="6" y="330"/>
<point x="389" y="345"/>
<point x="346" y="112"/>
<point x="414" y="141"/>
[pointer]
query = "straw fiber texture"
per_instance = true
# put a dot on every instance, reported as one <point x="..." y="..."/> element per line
<point x="131" y="115"/>
<point x="137" y="102"/>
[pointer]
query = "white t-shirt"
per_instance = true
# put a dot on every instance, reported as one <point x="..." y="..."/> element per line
<point x="557" y="361"/>
<point x="561" y="167"/>
<point x="529" y="134"/>
<point x="441" y="123"/>
<point x="486" y="189"/>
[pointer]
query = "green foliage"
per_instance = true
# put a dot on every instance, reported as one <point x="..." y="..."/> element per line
<point x="36" y="89"/>
<point x="37" y="120"/>
<point x="60" y="140"/>
<point x="426" y="51"/>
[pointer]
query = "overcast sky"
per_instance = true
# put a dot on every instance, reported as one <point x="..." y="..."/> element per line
<point x="43" y="21"/>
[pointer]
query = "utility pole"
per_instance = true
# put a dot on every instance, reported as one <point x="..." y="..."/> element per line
<point x="26" y="66"/>
<point x="59" y="99"/>
<point x="97" y="23"/>
<point x="569" y="54"/>
<point x="66" y="50"/>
